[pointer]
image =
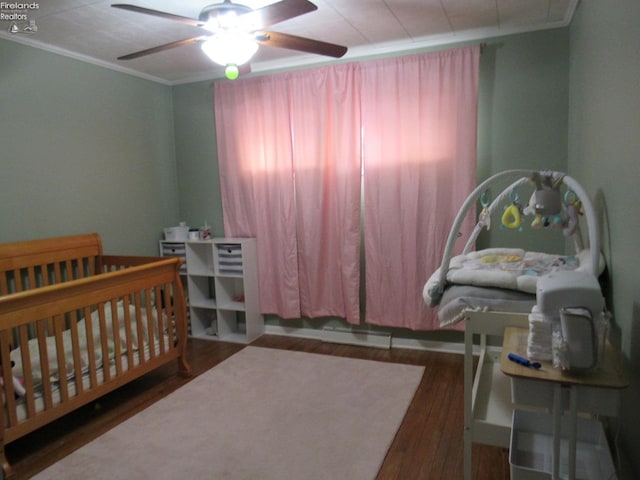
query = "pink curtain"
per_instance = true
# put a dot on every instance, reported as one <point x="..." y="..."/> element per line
<point x="327" y="146"/>
<point x="289" y="154"/>
<point x="419" y="123"/>
<point x="253" y="129"/>
<point x="290" y="148"/>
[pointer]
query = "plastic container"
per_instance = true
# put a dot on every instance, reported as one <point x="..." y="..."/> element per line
<point x="531" y="450"/>
<point x="176" y="234"/>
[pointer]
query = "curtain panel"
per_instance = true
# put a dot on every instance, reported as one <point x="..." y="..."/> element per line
<point x="295" y="149"/>
<point x="289" y="154"/>
<point x="255" y="154"/>
<point x="419" y="122"/>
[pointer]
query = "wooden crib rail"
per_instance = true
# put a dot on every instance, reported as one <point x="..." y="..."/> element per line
<point x="111" y="263"/>
<point x="37" y="263"/>
<point x="149" y="287"/>
<point x="32" y="305"/>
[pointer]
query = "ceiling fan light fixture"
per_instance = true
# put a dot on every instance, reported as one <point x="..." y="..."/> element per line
<point x="227" y="48"/>
<point x="235" y="31"/>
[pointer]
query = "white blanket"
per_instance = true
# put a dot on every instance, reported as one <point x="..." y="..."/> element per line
<point x="510" y="268"/>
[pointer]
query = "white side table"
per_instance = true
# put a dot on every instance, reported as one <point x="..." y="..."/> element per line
<point x="596" y="392"/>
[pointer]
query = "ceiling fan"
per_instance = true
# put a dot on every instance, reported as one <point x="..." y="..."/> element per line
<point x="235" y="31"/>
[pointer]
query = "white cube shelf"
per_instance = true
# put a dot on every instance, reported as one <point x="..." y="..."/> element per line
<point x="222" y="277"/>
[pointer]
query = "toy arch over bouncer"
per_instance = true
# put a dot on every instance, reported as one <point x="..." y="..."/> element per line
<point x="544" y="181"/>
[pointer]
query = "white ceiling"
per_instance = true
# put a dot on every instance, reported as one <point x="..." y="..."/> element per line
<point x="93" y="31"/>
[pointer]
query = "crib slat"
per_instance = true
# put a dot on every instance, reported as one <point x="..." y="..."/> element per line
<point x="159" y="313"/>
<point x="153" y="327"/>
<point x="46" y="274"/>
<point x="169" y="312"/>
<point x="8" y="392"/>
<point x="127" y="332"/>
<point x="117" y="344"/>
<point x="139" y="321"/>
<point x="163" y="313"/>
<point x="57" y="274"/>
<point x="104" y="342"/>
<point x="41" y="334"/>
<point x="59" y="327"/>
<point x="27" y="372"/>
<point x="30" y="276"/>
<point x="91" y="351"/>
<point x="75" y="349"/>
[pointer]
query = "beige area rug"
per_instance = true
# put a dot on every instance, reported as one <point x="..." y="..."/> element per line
<point x="261" y="414"/>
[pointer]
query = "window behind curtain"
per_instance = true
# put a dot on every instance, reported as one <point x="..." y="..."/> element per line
<point x="290" y="151"/>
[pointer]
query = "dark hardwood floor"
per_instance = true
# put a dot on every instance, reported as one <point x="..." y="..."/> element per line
<point x="428" y="444"/>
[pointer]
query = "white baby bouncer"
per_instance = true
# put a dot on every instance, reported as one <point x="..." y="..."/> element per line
<point x="557" y="201"/>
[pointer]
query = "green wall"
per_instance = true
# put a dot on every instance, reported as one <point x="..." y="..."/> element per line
<point x="604" y="154"/>
<point x="197" y="156"/>
<point x="522" y="119"/>
<point x="84" y="149"/>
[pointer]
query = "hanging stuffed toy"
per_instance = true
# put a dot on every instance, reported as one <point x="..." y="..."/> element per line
<point x="484" y="220"/>
<point x="531" y="210"/>
<point x="545" y="203"/>
<point x="573" y="207"/>
<point x="539" y="220"/>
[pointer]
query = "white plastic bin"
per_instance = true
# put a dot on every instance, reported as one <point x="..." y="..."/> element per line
<point x="176" y="234"/>
<point x="531" y="450"/>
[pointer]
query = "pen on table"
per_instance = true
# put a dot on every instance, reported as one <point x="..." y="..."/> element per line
<point x="523" y="361"/>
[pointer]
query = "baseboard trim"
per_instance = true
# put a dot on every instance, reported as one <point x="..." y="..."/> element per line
<point x="310" y="333"/>
<point x="356" y="337"/>
<point x="369" y="340"/>
<point x="429" y="345"/>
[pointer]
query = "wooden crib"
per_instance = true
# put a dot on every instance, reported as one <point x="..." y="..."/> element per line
<point x="76" y="324"/>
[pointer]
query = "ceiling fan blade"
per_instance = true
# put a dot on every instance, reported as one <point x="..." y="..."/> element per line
<point x="156" y="13"/>
<point x="277" y="12"/>
<point x="292" y="42"/>
<point x="160" y="48"/>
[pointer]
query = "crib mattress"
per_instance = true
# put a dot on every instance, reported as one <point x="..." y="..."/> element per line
<point x="21" y="407"/>
<point x="119" y="338"/>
